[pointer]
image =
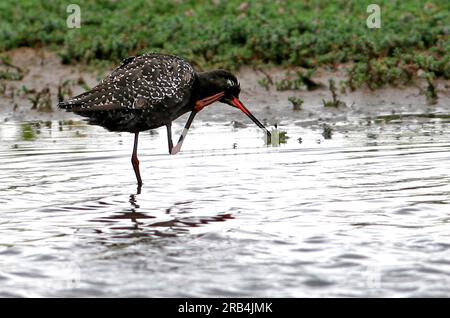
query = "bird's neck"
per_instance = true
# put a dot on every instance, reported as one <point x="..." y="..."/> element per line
<point x="204" y="86"/>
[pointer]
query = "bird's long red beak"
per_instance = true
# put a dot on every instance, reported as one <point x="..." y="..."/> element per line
<point x="237" y="103"/>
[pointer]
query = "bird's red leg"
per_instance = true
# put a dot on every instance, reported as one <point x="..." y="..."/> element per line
<point x="135" y="162"/>
<point x="169" y="136"/>
<point x="177" y="148"/>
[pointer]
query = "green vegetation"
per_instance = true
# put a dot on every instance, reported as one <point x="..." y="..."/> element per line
<point x="407" y="117"/>
<point x="9" y="71"/>
<point x="28" y="131"/>
<point x="335" y="101"/>
<point x="296" y="103"/>
<point x="264" y="82"/>
<point x="292" y="82"/>
<point x="431" y="92"/>
<point x="283" y="137"/>
<point x="414" y="34"/>
<point x="277" y="137"/>
<point x="40" y="100"/>
<point x="64" y="90"/>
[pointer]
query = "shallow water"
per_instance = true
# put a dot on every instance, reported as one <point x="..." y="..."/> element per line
<point x="364" y="213"/>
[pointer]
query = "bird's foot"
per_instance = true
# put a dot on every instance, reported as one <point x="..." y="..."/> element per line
<point x="138" y="189"/>
<point x="175" y="150"/>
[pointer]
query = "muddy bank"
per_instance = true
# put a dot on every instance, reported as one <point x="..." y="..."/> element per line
<point x="35" y="95"/>
<point x="44" y="80"/>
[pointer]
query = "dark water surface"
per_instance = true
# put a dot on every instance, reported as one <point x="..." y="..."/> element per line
<point x="365" y="213"/>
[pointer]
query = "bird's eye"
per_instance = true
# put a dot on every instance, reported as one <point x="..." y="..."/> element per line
<point x="230" y="83"/>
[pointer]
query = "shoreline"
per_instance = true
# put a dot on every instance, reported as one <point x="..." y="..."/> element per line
<point x="35" y="96"/>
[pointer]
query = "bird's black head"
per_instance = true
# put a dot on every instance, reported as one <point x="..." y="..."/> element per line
<point x="230" y="86"/>
<point x="222" y="86"/>
<point x="220" y="81"/>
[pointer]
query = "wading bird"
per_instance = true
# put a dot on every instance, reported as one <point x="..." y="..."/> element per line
<point x="151" y="90"/>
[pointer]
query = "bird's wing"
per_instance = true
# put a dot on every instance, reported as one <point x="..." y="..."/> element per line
<point x="140" y="82"/>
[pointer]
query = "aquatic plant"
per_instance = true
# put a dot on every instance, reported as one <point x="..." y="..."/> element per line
<point x="264" y="82"/>
<point x="64" y="90"/>
<point x="430" y="91"/>
<point x="28" y="132"/>
<point x="306" y="79"/>
<point x="267" y="80"/>
<point x="277" y="137"/>
<point x="335" y="101"/>
<point x="283" y="137"/>
<point x="41" y="100"/>
<point x="296" y="103"/>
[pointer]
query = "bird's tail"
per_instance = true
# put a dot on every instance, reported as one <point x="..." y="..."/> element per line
<point x="93" y="100"/>
<point x="75" y="103"/>
<point x="69" y="105"/>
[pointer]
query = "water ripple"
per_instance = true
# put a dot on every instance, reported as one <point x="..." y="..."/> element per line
<point x="362" y="214"/>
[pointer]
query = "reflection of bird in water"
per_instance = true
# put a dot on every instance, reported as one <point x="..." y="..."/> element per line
<point x="175" y="226"/>
<point x="152" y="90"/>
<point x="133" y="202"/>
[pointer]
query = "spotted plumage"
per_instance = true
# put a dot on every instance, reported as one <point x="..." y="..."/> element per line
<point x="144" y="92"/>
<point x="152" y="90"/>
